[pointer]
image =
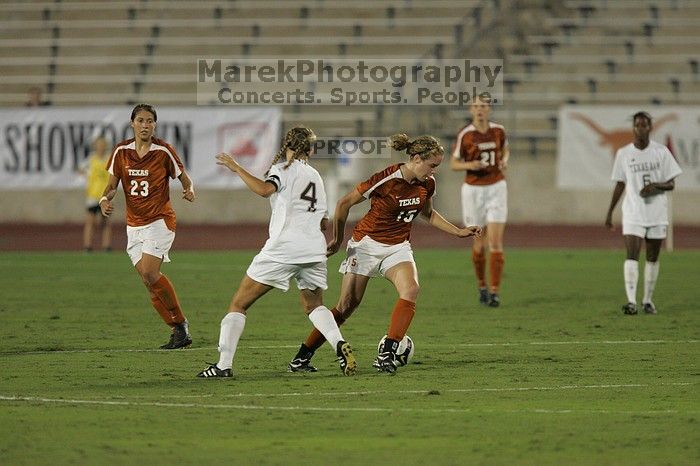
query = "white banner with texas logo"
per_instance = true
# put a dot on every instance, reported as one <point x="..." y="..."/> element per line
<point x="589" y="137"/>
<point x="44" y="147"/>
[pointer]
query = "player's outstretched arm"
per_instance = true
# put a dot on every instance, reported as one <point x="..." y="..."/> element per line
<point x="438" y="221"/>
<point x="258" y="186"/>
<point x="108" y="194"/>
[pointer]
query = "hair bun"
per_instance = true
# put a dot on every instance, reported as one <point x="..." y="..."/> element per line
<point x="400" y="141"/>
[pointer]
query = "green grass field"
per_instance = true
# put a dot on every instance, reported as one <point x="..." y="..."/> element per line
<point x="557" y="375"/>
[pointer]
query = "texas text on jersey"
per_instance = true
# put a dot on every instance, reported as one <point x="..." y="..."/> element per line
<point x="145" y="181"/>
<point x="395" y="204"/>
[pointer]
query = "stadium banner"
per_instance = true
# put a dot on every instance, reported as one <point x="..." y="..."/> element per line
<point x="43" y="147"/>
<point x="589" y="137"/>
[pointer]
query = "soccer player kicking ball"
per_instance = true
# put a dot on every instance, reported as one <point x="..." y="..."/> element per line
<point x="379" y="245"/>
<point x="295" y="249"/>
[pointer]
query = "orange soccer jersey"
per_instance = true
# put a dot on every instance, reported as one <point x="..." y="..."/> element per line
<point x="145" y="181"/>
<point x="395" y="204"/>
<point x="487" y="147"/>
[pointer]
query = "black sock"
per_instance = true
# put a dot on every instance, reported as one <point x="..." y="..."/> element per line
<point x="390" y="346"/>
<point x="304" y="352"/>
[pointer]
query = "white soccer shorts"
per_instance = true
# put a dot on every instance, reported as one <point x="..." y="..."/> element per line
<point x="154" y="239"/>
<point x="372" y="259"/>
<point x="653" y="232"/>
<point x="277" y="274"/>
<point x="485" y="204"/>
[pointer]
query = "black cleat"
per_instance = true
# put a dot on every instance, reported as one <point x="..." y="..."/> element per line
<point x="302" y="361"/>
<point x="630" y="309"/>
<point x="385" y="362"/>
<point x="180" y="338"/>
<point x="300" y="365"/>
<point x="169" y="344"/>
<point x="214" y="371"/>
<point x="649" y="308"/>
<point x="483" y="297"/>
<point x="346" y="359"/>
<point x="494" y="300"/>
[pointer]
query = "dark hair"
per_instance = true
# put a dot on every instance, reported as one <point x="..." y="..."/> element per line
<point x="641" y="115"/>
<point x="146" y="107"/>
<point x="299" y="140"/>
<point x="423" y="146"/>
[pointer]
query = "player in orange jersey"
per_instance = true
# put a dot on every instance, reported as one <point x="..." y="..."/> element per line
<point x="482" y="150"/>
<point x="380" y="242"/>
<point x="144" y="165"/>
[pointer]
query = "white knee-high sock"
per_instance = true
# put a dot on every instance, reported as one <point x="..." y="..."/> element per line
<point x="631" y="277"/>
<point x="325" y="323"/>
<point x="651" y="272"/>
<point x="232" y="326"/>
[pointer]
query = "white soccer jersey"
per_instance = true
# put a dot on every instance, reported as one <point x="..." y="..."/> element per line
<point x="637" y="168"/>
<point x="298" y="205"/>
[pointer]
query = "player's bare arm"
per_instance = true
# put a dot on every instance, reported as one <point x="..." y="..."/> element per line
<point x="503" y="164"/>
<point x="652" y="189"/>
<point x="108" y="194"/>
<point x="461" y="165"/>
<point x="617" y="193"/>
<point x="438" y="221"/>
<point x="258" y="186"/>
<point x="342" y="210"/>
<point x="187" y="187"/>
<point x="325" y="223"/>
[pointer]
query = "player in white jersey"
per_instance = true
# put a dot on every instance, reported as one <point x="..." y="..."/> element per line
<point x="295" y="249"/>
<point x="647" y="169"/>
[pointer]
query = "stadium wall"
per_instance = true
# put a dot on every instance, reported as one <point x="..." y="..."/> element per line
<point x="533" y="198"/>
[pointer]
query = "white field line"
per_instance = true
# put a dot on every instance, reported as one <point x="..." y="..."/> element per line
<point x="159" y="404"/>
<point x="470" y="345"/>
<point x="429" y="392"/>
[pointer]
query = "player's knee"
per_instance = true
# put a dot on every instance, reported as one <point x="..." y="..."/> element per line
<point x="410" y="292"/>
<point x="149" y="278"/>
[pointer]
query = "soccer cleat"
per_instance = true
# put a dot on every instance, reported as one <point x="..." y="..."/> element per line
<point x="302" y="360"/>
<point x="629" y="309"/>
<point x="180" y="338"/>
<point x="649" y="308"/>
<point x="301" y="365"/>
<point x="346" y="359"/>
<point x="483" y="297"/>
<point x="214" y="371"/>
<point x="494" y="300"/>
<point x="169" y="344"/>
<point x="386" y="362"/>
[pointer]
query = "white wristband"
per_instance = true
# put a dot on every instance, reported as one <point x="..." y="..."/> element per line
<point x="103" y="198"/>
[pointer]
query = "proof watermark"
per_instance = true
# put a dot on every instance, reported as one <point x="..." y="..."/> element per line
<point x="342" y="148"/>
<point x="348" y="82"/>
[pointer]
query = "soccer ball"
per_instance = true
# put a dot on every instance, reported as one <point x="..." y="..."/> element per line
<point x="405" y="351"/>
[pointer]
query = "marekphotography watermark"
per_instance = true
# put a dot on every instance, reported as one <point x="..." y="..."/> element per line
<point x="352" y="147"/>
<point x="348" y="82"/>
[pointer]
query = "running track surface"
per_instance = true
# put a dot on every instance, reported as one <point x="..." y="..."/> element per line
<point x="68" y="237"/>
